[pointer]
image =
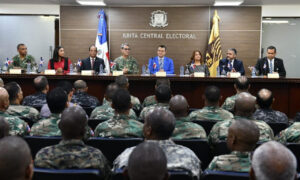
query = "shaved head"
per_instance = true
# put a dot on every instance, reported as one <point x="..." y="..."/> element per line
<point x="15" y="158"/>
<point x="4" y="128"/>
<point x="244" y="104"/>
<point x="273" y="161"/>
<point x="242" y="83"/>
<point x="148" y="162"/>
<point x="242" y="135"/>
<point x="179" y="106"/>
<point x="80" y="85"/>
<point x="40" y="83"/>
<point x="73" y="122"/>
<point x="264" y="98"/>
<point x="110" y="91"/>
<point x="4" y="99"/>
<point x="159" y="124"/>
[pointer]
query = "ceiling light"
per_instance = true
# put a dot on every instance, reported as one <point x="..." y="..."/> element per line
<point x="91" y="2"/>
<point x="228" y="2"/>
<point x="275" y="22"/>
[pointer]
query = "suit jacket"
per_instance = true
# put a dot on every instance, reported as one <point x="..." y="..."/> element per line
<point x="86" y="64"/>
<point x="237" y="65"/>
<point x="262" y="66"/>
<point x="154" y="65"/>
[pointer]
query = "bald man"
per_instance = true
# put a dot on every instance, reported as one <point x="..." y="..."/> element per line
<point x="184" y="129"/>
<point x="151" y="100"/>
<point x="158" y="128"/>
<point x="148" y="162"/>
<point x="121" y="124"/>
<point x="273" y="161"/>
<point x="211" y="109"/>
<point x="241" y="84"/>
<point x="15" y="157"/>
<point x="15" y="108"/>
<point x="242" y="138"/>
<point x="81" y="96"/>
<point x="163" y="95"/>
<point x="4" y="128"/>
<point x="106" y="112"/>
<point x="71" y="152"/>
<point x="38" y="99"/>
<point x="244" y="108"/>
<point x="16" y="125"/>
<point x="265" y="112"/>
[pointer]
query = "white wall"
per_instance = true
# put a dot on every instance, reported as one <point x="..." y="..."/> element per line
<point x="281" y="11"/>
<point x="29" y="9"/>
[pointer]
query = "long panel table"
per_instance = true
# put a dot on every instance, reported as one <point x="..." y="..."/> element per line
<point x="285" y="90"/>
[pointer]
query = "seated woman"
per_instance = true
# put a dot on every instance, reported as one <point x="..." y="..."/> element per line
<point x="196" y="64"/>
<point x="60" y="63"/>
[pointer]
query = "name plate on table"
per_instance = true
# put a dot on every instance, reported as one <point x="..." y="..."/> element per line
<point x="117" y="73"/>
<point x="15" y="71"/>
<point x="87" y="72"/>
<point x="161" y="74"/>
<point x="234" y="74"/>
<point x="273" y="75"/>
<point x="50" y="72"/>
<point x="199" y="74"/>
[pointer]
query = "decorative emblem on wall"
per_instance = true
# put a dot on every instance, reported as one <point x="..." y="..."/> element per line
<point x="158" y="19"/>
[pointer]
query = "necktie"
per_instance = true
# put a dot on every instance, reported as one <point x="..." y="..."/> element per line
<point x="230" y="66"/>
<point x="92" y="63"/>
<point x="271" y="67"/>
<point x="161" y="66"/>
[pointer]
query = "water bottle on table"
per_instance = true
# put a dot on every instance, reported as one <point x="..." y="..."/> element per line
<point x="181" y="71"/>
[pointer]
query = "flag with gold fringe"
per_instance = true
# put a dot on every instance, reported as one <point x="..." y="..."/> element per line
<point x="214" y="52"/>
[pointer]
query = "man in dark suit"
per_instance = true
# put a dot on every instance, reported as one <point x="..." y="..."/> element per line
<point x="231" y="64"/>
<point x="92" y="62"/>
<point x="270" y="64"/>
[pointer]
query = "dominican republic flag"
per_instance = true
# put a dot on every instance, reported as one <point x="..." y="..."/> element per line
<point x="79" y="63"/>
<point x="8" y="62"/>
<point x="101" y="41"/>
<point x="41" y="62"/>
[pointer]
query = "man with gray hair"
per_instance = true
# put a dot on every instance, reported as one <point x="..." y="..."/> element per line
<point x="125" y="62"/>
<point x="231" y="64"/>
<point x="273" y="161"/>
<point x="81" y="96"/>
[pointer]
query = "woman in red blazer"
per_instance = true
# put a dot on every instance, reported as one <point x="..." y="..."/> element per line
<point x="60" y="63"/>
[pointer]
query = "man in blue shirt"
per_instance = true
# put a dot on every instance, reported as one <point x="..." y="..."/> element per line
<point x="160" y="62"/>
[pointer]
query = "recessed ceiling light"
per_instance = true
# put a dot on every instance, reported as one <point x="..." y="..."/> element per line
<point x="228" y="2"/>
<point x="275" y="22"/>
<point x="91" y="2"/>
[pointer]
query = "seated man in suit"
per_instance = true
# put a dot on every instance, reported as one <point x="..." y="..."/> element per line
<point x="160" y="62"/>
<point x="270" y="64"/>
<point x="231" y="64"/>
<point x="92" y="62"/>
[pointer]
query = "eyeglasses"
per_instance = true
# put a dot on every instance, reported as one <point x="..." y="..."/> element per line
<point x="127" y="49"/>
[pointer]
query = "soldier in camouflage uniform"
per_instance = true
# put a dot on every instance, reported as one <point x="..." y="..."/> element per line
<point x="184" y="129"/>
<point x="122" y="82"/>
<point x="81" y="96"/>
<point x="57" y="101"/>
<point x="16" y="125"/>
<point x="106" y="112"/>
<point x="120" y="125"/>
<point x="150" y="100"/>
<point x="15" y="98"/>
<point x="244" y="107"/>
<point x="159" y="126"/>
<point x="71" y="152"/>
<point x="126" y="63"/>
<point x="241" y="84"/>
<point x="211" y="110"/>
<point x="242" y="138"/>
<point x="265" y="112"/>
<point x="290" y="135"/>
<point x="163" y="95"/>
<point x="22" y="59"/>
<point x="39" y="98"/>
<point x="4" y="127"/>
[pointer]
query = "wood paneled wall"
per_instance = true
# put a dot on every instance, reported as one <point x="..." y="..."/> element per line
<point x="240" y="27"/>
